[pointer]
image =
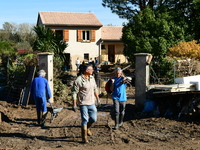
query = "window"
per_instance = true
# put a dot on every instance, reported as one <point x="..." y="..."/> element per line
<point x="60" y="33"/>
<point x="86" y="56"/>
<point x="86" y="35"/>
<point x="103" y="47"/>
<point x="64" y="34"/>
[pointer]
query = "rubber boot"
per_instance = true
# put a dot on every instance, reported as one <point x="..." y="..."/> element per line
<point x="121" y="118"/>
<point x="43" y="119"/>
<point x="89" y="133"/>
<point x="116" y="122"/>
<point x="39" y="117"/>
<point x="84" y="134"/>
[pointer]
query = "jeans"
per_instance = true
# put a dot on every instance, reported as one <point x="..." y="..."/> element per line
<point x="77" y="66"/>
<point x="119" y="107"/>
<point x="88" y="114"/>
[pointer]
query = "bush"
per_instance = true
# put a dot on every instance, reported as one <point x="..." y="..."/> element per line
<point x="185" y="50"/>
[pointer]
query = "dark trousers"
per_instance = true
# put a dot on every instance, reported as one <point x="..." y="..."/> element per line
<point x="119" y="107"/>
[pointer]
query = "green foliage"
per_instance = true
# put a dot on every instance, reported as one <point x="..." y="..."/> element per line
<point x="127" y="9"/>
<point x="61" y="90"/>
<point x="162" y="71"/>
<point x="150" y="32"/>
<point x="27" y="59"/>
<point x="6" y="48"/>
<point x="17" y="70"/>
<point x="48" y="41"/>
<point x="186" y="13"/>
<point x="18" y="34"/>
<point x="194" y="20"/>
<point x="24" y="45"/>
<point x="45" y="39"/>
<point x="6" y="51"/>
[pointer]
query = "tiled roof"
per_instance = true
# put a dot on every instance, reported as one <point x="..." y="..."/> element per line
<point x="111" y="33"/>
<point x="69" y="19"/>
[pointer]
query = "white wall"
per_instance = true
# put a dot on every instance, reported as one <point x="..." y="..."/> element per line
<point x="78" y="49"/>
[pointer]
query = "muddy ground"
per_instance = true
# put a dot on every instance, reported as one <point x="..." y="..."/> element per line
<point x="19" y="131"/>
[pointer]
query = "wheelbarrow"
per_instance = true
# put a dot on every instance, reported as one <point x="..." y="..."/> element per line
<point x="54" y="112"/>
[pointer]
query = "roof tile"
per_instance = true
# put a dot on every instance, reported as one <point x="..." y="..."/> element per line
<point x="111" y="32"/>
<point x="69" y="18"/>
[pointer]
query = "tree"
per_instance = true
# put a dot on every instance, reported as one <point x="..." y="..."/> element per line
<point x="26" y="33"/>
<point x="183" y="11"/>
<point x="21" y="35"/>
<point x="45" y="39"/>
<point x="11" y="28"/>
<point x="185" y="50"/>
<point x="128" y="8"/>
<point x="194" y="20"/>
<point x="48" y="41"/>
<point x="150" y="32"/>
<point x="6" y="52"/>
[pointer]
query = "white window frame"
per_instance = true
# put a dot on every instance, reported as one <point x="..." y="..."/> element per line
<point x="86" y="35"/>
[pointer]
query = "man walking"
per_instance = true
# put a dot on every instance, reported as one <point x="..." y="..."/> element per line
<point x="84" y="93"/>
<point x="40" y="92"/>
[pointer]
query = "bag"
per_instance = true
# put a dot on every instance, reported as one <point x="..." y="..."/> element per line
<point x="107" y="86"/>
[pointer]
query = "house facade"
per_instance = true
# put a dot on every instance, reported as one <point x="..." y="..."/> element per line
<point x="86" y="36"/>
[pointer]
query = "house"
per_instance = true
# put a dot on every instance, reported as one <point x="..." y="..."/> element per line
<point x="86" y="36"/>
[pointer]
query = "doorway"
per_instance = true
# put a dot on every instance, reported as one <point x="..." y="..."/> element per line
<point x="111" y="53"/>
<point x="68" y="62"/>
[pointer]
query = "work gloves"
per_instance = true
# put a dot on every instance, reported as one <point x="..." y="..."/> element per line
<point x="74" y="108"/>
<point x="98" y="103"/>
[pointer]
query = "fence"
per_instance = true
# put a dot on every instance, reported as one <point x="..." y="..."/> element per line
<point x="17" y="89"/>
<point x="165" y="72"/>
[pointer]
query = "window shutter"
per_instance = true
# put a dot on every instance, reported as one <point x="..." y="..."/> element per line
<point x="79" y="35"/>
<point x="66" y="35"/>
<point x="93" y="36"/>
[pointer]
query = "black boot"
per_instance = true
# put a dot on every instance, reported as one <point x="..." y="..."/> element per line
<point x="121" y="118"/>
<point x="43" y="119"/>
<point x="39" y="117"/>
<point x="116" y="122"/>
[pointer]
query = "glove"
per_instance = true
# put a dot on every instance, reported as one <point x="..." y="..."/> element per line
<point x="74" y="108"/>
<point x="98" y="103"/>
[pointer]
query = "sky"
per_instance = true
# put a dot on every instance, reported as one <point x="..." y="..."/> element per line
<point x="25" y="11"/>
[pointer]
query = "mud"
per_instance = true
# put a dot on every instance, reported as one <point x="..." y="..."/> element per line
<point x="19" y="130"/>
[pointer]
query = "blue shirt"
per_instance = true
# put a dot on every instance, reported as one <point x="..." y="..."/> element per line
<point x="40" y="88"/>
<point x="119" y="91"/>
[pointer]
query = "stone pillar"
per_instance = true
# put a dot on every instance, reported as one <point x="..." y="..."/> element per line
<point x="141" y="78"/>
<point x="46" y="63"/>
